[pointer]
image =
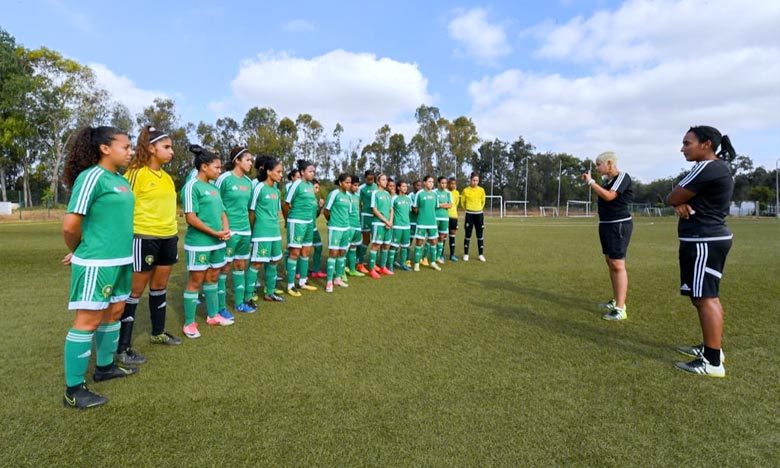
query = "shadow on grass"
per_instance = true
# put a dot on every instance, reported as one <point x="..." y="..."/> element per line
<point x="603" y="333"/>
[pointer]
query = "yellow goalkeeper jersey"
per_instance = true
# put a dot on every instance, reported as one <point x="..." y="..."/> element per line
<point x="453" y="211"/>
<point x="473" y="199"/>
<point x="155" y="202"/>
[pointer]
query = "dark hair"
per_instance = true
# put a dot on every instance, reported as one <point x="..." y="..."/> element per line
<point x="234" y="154"/>
<point x="342" y="177"/>
<point x="369" y="173"/>
<point x="202" y="156"/>
<point x="293" y="172"/>
<point x="401" y="181"/>
<point x="148" y="136"/>
<point x="315" y="181"/>
<point x="355" y="178"/>
<point x="85" y="150"/>
<point x="704" y="133"/>
<point x="441" y="178"/>
<point x="303" y="164"/>
<point x="263" y="164"/>
<point x="417" y="181"/>
<point x="451" y="179"/>
<point x="426" y="178"/>
<point x="473" y="174"/>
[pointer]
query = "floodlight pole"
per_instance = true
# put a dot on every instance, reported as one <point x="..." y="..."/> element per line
<point x="590" y="192"/>
<point x="492" y="177"/>
<point x="526" y="178"/>
<point x="560" y="171"/>
<point x="777" y="188"/>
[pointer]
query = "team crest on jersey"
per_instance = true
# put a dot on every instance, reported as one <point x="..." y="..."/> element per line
<point x="149" y="259"/>
<point x="107" y="290"/>
<point x="263" y="252"/>
<point x="202" y="258"/>
<point x="229" y="251"/>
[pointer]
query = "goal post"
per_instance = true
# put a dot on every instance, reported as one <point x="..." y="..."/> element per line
<point x="516" y="208"/>
<point x="578" y="209"/>
<point x="548" y="210"/>
<point x="493" y="203"/>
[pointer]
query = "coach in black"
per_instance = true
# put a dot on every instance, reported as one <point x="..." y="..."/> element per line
<point x="702" y="200"/>
<point x="615" y="227"/>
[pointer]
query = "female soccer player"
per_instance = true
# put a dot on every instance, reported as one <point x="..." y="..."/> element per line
<point x="204" y="243"/>
<point x="416" y="187"/>
<point x="98" y="231"/>
<point x="425" y="204"/>
<point x="354" y="223"/>
<point x="473" y="201"/>
<point x="701" y="200"/>
<point x="264" y="210"/>
<point x="615" y="227"/>
<point x="337" y="210"/>
<point x="235" y="188"/>
<point x="317" y="238"/>
<point x="444" y="203"/>
<point x="402" y="206"/>
<point x="298" y="208"/>
<point x="155" y="240"/>
<point x="452" y="186"/>
<point x="381" y="229"/>
<point x="366" y="217"/>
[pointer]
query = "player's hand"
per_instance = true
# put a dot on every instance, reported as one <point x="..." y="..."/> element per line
<point x="66" y="259"/>
<point x="223" y="235"/>
<point x="684" y="211"/>
<point x="321" y="202"/>
<point x="388" y="226"/>
<point x="586" y="177"/>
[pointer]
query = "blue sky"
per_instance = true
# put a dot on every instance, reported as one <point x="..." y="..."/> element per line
<point x="575" y="76"/>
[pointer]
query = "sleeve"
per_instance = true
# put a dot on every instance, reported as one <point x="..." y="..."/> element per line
<point x="331" y="197"/>
<point x="189" y="198"/>
<point x="132" y="179"/>
<point x="84" y="192"/>
<point x="463" y="198"/>
<point x="220" y="179"/>
<point x="702" y="174"/>
<point x="291" y="192"/>
<point x="255" y="195"/>
<point x="414" y="200"/>
<point x="622" y="183"/>
<point x="373" y="199"/>
<point x="482" y="198"/>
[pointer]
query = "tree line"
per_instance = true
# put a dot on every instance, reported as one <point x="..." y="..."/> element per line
<point x="45" y="97"/>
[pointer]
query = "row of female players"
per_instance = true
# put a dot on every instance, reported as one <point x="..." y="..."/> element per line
<point x="122" y="233"/>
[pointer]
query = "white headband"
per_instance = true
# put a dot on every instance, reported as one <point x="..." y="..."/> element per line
<point x="239" y="154"/>
<point x="158" y="137"/>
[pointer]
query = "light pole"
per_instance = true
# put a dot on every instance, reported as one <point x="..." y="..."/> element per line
<point x="777" y="188"/>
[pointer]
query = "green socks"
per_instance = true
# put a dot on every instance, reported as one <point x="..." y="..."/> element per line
<point x="371" y="259"/>
<point x="391" y="259"/>
<point x="331" y="268"/>
<point x="251" y="281"/>
<point x="340" y="262"/>
<point x="290" y="266"/>
<point x="361" y="253"/>
<point x="352" y="258"/>
<point x="303" y="269"/>
<point x="221" y="291"/>
<point x="190" y="304"/>
<point x="383" y="259"/>
<point x="418" y="250"/>
<point x="404" y="256"/>
<point x="239" y="287"/>
<point x="212" y="298"/>
<point x="270" y="278"/>
<point x="106" y="339"/>
<point x="317" y="259"/>
<point x="78" y="348"/>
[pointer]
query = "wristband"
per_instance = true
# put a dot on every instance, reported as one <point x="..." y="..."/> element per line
<point x="591" y="181"/>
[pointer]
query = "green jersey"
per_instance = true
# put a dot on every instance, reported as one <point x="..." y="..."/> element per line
<point x="380" y="199"/>
<point x="425" y="202"/>
<point x="365" y="197"/>
<point x="202" y="199"/>
<point x="236" y="193"/>
<point x="340" y="206"/>
<point x="266" y="203"/>
<point x="302" y="201"/>
<point x="354" y="213"/>
<point x="402" y="206"/>
<point x="106" y="202"/>
<point x="443" y="196"/>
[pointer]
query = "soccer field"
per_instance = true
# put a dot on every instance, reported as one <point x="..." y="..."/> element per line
<point x="504" y="363"/>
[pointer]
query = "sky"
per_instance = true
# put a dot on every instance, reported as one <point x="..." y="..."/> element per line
<point x="581" y="77"/>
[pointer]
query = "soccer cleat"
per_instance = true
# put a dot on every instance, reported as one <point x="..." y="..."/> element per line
<point x="482" y="258"/>
<point x="82" y="398"/>
<point x="165" y="338"/>
<point x="344" y="278"/>
<point x="278" y="292"/>
<point x="416" y="267"/>
<point x="329" y="287"/>
<point x="396" y="264"/>
<point x="226" y="314"/>
<point x="405" y="268"/>
<point x="294" y="292"/>
<point x="244" y="307"/>
<point x="113" y="372"/>
<point x="700" y="366"/>
<point x="424" y="262"/>
<point x="697" y="351"/>
<point x="307" y="287"/>
<point x="435" y="266"/>
<point x="340" y="283"/>
<point x="466" y="258"/>
<point x="251" y="303"/>
<point x="408" y="263"/>
<point x="374" y="274"/>
<point x="386" y="272"/>
<point x="440" y="260"/>
<point x="129" y="356"/>
<point x="191" y="330"/>
<point x="453" y="258"/>
<point x="362" y="269"/>
<point x="273" y="298"/>
<point x="218" y="320"/>
<point x="355" y="274"/>
<point x="608" y="305"/>
<point x="616" y="314"/>
<point x="319" y="275"/>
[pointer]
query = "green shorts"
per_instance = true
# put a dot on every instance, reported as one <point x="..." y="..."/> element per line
<point x="316" y="238"/>
<point x="238" y="247"/>
<point x="339" y="239"/>
<point x="366" y="222"/>
<point x="426" y="232"/>
<point x="400" y="237"/>
<point x="443" y="225"/>
<point x="380" y="234"/>
<point x="267" y="250"/>
<point x="300" y="234"/>
<point x="202" y="260"/>
<point x="96" y="287"/>
<point x="412" y="229"/>
<point x="357" y="237"/>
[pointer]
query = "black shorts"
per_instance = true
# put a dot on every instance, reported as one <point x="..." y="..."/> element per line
<point x="151" y="252"/>
<point x="615" y="238"/>
<point x="453" y="224"/>
<point x="701" y="267"/>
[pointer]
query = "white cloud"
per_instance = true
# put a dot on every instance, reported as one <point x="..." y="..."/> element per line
<point x="483" y="41"/>
<point x="298" y="25"/>
<point x="657" y="68"/>
<point x="122" y="89"/>
<point x="360" y="91"/>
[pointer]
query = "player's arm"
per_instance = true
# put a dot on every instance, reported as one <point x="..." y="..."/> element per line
<point x="285" y="209"/>
<point x="193" y="220"/>
<point x="679" y="198"/>
<point x="71" y="232"/>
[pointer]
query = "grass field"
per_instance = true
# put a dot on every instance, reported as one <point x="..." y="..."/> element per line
<point x="505" y="363"/>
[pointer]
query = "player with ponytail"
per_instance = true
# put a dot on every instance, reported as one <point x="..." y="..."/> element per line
<point x="264" y="209"/>
<point x="299" y="207"/>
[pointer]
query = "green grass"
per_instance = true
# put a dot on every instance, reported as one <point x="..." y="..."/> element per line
<point x="505" y="363"/>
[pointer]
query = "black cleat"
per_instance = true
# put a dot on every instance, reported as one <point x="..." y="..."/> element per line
<point x="82" y="398"/>
<point x="129" y="356"/>
<point x="114" y="372"/>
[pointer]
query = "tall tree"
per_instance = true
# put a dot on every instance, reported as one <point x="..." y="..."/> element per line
<point x="397" y="154"/>
<point x="310" y="133"/>
<point x="162" y="115"/>
<point x="462" y="137"/>
<point x="426" y="141"/>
